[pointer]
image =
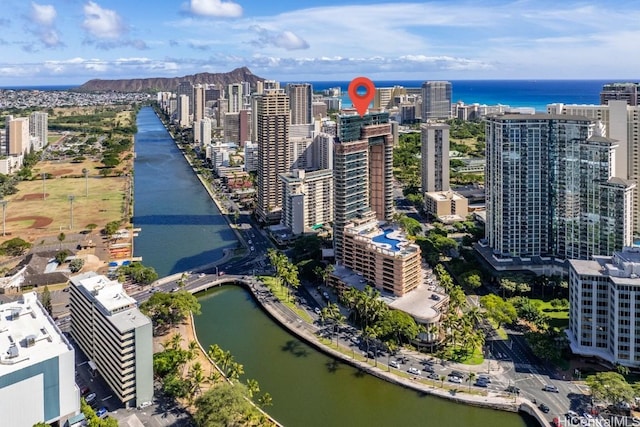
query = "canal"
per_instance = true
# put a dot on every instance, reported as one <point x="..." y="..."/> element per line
<point x="308" y="388"/>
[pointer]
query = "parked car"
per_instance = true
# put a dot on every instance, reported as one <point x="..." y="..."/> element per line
<point x="544" y="408"/>
<point x="484" y="377"/>
<point x="84" y="391"/>
<point x="456" y="380"/>
<point x="102" y="412"/>
<point x="317" y="310"/>
<point x="414" y="371"/>
<point x="429" y="368"/>
<point x="433" y="376"/>
<point x="551" y="388"/>
<point x="456" y="374"/>
<point x="513" y="389"/>
<point x="90" y="397"/>
<point x="480" y="383"/>
<point x="394" y="364"/>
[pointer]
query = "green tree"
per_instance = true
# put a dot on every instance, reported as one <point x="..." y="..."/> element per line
<point x="610" y="388"/>
<point x="111" y="228"/>
<point x="471" y="279"/>
<point x="46" y="300"/>
<point x="497" y="309"/>
<point x="62" y="255"/>
<point x="223" y="405"/>
<point x="76" y="265"/>
<point x="15" y="247"/>
<point x="470" y="378"/>
<point x="61" y="238"/>
<point x="168" y="309"/>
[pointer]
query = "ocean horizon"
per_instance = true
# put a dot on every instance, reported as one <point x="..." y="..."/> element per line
<point x="531" y="93"/>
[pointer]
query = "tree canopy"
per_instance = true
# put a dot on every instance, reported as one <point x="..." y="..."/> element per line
<point x="610" y="388"/>
<point x="226" y="405"/>
<point x="499" y="310"/>
<point x="167" y="309"/>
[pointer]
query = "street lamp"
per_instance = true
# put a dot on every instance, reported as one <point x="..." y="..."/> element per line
<point x="71" y="198"/>
<point x="85" y="171"/>
<point x="4" y="214"/>
<point x="44" y="193"/>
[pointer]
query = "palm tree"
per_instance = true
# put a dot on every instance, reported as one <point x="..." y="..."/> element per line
<point x="336" y="316"/>
<point x="253" y="387"/>
<point x="192" y="351"/>
<point x="61" y="238"/>
<point x="470" y="378"/>
<point x="234" y="371"/>
<point x="442" y="378"/>
<point x="196" y="378"/>
<point x="475" y="315"/>
<point x="175" y="341"/>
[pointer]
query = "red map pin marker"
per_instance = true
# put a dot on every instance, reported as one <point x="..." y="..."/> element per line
<point x="361" y="102"/>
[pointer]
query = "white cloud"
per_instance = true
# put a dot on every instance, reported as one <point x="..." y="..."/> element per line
<point x="283" y="39"/>
<point x="43" y="14"/>
<point x="215" y="8"/>
<point x="102" y="23"/>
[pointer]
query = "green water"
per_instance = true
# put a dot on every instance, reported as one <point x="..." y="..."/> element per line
<point x="310" y="389"/>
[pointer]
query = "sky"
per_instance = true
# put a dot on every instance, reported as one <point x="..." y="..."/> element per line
<point x="67" y="42"/>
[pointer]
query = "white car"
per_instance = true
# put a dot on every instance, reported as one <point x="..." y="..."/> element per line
<point x="394" y="364"/>
<point x="456" y="380"/>
<point x="414" y="371"/>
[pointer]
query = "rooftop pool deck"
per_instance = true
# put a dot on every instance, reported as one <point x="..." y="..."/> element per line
<point x="394" y="244"/>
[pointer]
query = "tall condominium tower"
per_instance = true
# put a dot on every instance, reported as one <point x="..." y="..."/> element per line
<point x="272" y="120"/>
<point x="435" y="157"/>
<point x="234" y="98"/>
<point x="627" y="92"/>
<point x="301" y="101"/>
<point x="363" y="171"/>
<point x="550" y="190"/>
<point x="17" y="135"/>
<point x="38" y="129"/>
<point x="183" y="111"/>
<point x="186" y="88"/>
<point x="436" y="100"/>
<point x="198" y="103"/>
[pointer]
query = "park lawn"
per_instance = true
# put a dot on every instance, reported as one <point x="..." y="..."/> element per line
<point x="460" y="355"/>
<point x="557" y="318"/>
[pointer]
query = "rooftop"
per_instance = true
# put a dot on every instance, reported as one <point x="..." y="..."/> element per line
<point x="114" y="302"/>
<point x="28" y="334"/>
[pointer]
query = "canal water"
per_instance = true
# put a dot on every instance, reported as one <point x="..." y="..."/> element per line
<point x="308" y="388"/>
<point x="181" y="227"/>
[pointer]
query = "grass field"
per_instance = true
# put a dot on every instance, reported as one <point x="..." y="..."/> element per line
<point x="29" y="216"/>
<point x="557" y="318"/>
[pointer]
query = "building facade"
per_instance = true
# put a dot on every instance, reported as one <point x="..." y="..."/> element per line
<point x="363" y="171"/>
<point x="604" y="316"/>
<point x="627" y="92"/>
<point x="115" y="335"/>
<point x="307" y="199"/>
<point x="301" y="102"/>
<point x="37" y="366"/>
<point x="434" y="138"/>
<point x="39" y="129"/>
<point x="550" y="190"/>
<point x="436" y="100"/>
<point x="272" y="120"/>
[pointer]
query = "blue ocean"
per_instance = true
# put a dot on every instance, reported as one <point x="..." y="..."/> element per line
<point x="515" y="93"/>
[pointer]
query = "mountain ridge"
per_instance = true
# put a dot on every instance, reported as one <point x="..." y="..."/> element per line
<point x="169" y="84"/>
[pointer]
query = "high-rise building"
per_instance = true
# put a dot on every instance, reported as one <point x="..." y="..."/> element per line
<point x="627" y="92"/>
<point x="436" y="100"/>
<point x="114" y="334"/>
<point x="550" y="191"/>
<point x="183" y="111"/>
<point x="198" y="103"/>
<point x="307" y="199"/>
<point x="363" y="171"/>
<point x="603" y="315"/>
<point x="621" y="122"/>
<point x="271" y="124"/>
<point x="186" y="88"/>
<point x="235" y="100"/>
<point x="37" y="366"/>
<point x="17" y="136"/>
<point x="237" y="127"/>
<point x="301" y="102"/>
<point x="38" y="129"/>
<point x="434" y="138"/>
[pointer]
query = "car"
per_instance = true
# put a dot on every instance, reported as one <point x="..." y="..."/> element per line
<point x="317" y="310"/>
<point x="513" y="389"/>
<point x="201" y="275"/>
<point x="433" y="376"/>
<point x="252" y="249"/>
<point x="153" y="290"/>
<point x="90" y="397"/>
<point x="456" y="374"/>
<point x="144" y="405"/>
<point x="414" y="371"/>
<point x="480" y="383"/>
<point x="84" y="391"/>
<point x="394" y="364"/>
<point x="250" y="242"/>
<point x="550" y="388"/>
<point x="544" y="408"/>
<point x="572" y="414"/>
<point x="429" y="368"/>
<point x="102" y="412"/>
<point x="435" y="297"/>
<point x="455" y="379"/>
<point x="176" y="289"/>
<point x="484" y="377"/>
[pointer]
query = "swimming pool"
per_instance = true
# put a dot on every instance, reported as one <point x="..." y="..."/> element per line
<point x="384" y="238"/>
